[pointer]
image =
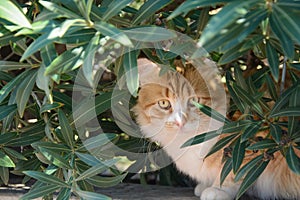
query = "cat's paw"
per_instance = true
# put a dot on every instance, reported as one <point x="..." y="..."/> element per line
<point x="213" y="193"/>
<point x="199" y="189"/>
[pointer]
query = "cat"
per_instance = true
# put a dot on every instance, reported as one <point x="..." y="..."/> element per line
<point x="166" y="114"/>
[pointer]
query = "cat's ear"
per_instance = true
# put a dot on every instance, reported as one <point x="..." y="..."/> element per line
<point x="148" y="71"/>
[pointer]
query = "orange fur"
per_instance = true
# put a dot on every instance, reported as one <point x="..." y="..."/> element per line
<point x="182" y="121"/>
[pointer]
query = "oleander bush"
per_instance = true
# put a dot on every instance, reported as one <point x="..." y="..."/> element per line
<point x="61" y="61"/>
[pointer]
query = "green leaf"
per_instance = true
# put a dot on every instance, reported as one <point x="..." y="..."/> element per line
<point x="203" y="137"/>
<point x="64" y="194"/>
<point x="46" y="178"/>
<point x="236" y="126"/>
<point x="67" y="61"/>
<point x="11" y="65"/>
<point x="237" y="101"/>
<point x="228" y="14"/>
<point x="54" y="158"/>
<point x="4" y="92"/>
<point x="273" y="60"/>
<point x="227" y="167"/>
<point x="211" y="113"/>
<point x="293" y="160"/>
<point x="189" y="5"/>
<point x="247" y="167"/>
<point x="88" y="158"/>
<point x="24" y="91"/>
<point x="59" y="9"/>
<point x="5" y="110"/>
<point x="114" y="8"/>
<point x="48" y="107"/>
<point x="232" y="54"/>
<point x="292" y="111"/>
<point x="148" y="9"/>
<point x="275" y="132"/>
<point x="48" y="54"/>
<point x="238" y="154"/>
<point x="251" y="177"/>
<point x="247" y="98"/>
<point x="264" y="144"/>
<point x="4" y="175"/>
<point x="293" y="121"/>
<point x="12" y="13"/>
<point x="113" y="32"/>
<point x="271" y="88"/>
<point x="283" y="99"/>
<point x="91" y="195"/>
<point x="88" y="59"/>
<point x="288" y="22"/>
<point x="150" y="34"/>
<point x="40" y="191"/>
<point x="131" y="71"/>
<point x="97" y="141"/>
<point x="66" y="129"/>
<point x="52" y="146"/>
<point x="12" y="153"/>
<point x="87" y="109"/>
<point x="40" y="42"/>
<point x="220" y="144"/>
<point x="6" y="137"/>
<point x="5" y="160"/>
<point x="250" y="131"/>
<point x="96" y="169"/>
<point x="104" y="182"/>
<point x="285" y="41"/>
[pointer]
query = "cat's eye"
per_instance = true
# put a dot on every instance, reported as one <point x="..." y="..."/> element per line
<point x="164" y="104"/>
<point x="193" y="100"/>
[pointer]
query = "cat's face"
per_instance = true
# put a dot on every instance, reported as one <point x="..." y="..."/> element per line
<point x="165" y="108"/>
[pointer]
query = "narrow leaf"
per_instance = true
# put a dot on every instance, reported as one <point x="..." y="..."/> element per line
<point x="148" y="9"/>
<point x="92" y="195"/>
<point x="114" y="8"/>
<point x="211" y="113"/>
<point x="113" y="32"/>
<point x="247" y="167"/>
<point x="5" y="160"/>
<point x="238" y="155"/>
<point x="250" y="131"/>
<point x="264" y="144"/>
<point x="292" y="111"/>
<point x="150" y="34"/>
<point x="104" y="182"/>
<point x="273" y="60"/>
<point x="251" y="177"/>
<point x="293" y="160"/>
<point x="96" y="169"/>
<point x="227" y="167"/>
<point x="220" y="144"/>
<point x="131" y="71"/>
<point x="6" y="110"/>
<point x="203" y="137"/>
<point x="46" y="178"/>
<point x="66" y="129"/>
<point x="24" y="91"/>
<point x="14" y="14"/>
<point x="39" y="192"/>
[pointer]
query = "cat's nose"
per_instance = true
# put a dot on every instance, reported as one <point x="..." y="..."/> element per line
<point x="180" y="119"/>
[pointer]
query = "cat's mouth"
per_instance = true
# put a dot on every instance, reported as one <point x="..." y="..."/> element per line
<point x="177" y="120"/>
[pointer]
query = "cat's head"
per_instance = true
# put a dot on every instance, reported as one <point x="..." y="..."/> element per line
<point x="165" y="109"/>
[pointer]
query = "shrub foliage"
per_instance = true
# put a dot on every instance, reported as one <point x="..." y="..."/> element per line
<point x="44" y="44"/>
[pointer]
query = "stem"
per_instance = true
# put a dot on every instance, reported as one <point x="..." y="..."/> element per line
<point x="283" y="75"/>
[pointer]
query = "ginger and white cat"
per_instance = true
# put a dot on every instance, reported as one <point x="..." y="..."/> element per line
<point x="166" y="114"/>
